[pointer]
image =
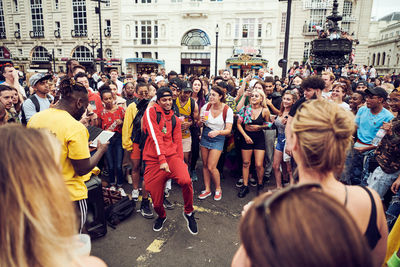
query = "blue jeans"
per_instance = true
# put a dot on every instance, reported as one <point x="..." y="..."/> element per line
<point x="114" y="157"/>
<point x="393" y="210"/>
<point x="359" y="167"/>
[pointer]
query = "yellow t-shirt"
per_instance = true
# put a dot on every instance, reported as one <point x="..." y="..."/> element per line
<point x="74" y="141"/>
<point x="185" y="112"/>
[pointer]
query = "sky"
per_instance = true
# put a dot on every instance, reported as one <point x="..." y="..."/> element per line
<point x="381" y="8"/>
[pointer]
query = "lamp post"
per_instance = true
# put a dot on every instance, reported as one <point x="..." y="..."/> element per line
<point x="287" y="32"/>
<point x="216" y="49"/>
<point x="98" y="11"/>
<point x="92" y="42"/>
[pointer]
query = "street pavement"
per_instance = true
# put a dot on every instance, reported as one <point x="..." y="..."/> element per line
<point x="134" y="243"/>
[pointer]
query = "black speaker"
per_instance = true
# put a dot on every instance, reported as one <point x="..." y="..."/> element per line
<point x="96" y="224"/>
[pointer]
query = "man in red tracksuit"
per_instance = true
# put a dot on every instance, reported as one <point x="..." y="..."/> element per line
<point x="163" y="156"/>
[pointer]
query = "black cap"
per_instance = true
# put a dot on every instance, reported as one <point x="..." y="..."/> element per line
<point x="362" y="82"/>
<point x="163" y="92"/>
<point x="378" y="91"/>
<point x="187" y="87"/>
<point x="177" y="82"/>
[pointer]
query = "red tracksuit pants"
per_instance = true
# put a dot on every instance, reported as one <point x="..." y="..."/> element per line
<point x="155" y="180"/>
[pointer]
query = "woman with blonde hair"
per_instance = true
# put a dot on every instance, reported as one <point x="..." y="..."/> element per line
<point x="37" y="217"/>
<point x="252" y="119"/>
<point x="321" y="134"/>
<point x="300" y="226"/>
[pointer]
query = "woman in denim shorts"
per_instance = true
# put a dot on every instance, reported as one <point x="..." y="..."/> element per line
<point x="217" y="120"/>
<point x="288" y="100"/>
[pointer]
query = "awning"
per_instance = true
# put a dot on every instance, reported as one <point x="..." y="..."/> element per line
<point x="145" y="60"/>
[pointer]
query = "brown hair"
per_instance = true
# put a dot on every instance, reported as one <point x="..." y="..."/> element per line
<point x="294" y="96"/>
<point x="320" y="122"/>
<point x="302" y="228"/>
<point x="219" y="91"/>
<point x="37" y="217"/>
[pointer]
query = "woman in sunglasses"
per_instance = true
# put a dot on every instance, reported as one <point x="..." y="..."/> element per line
<point x="321" y="134"/>
<point x="300" y="226"/>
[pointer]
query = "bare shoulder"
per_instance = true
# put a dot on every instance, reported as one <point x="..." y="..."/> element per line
<point x="91" y="261"/>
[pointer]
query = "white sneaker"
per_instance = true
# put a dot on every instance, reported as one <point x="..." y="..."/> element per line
<point x="135" y="194"/>
<point x="113" y="188"/>
<point x="122" y="191"/>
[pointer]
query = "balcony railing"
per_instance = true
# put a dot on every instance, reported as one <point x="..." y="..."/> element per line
<point x="317" y="4"/>
<point x="17" y="34"/>
<point x="57" y="33"/>
<point x="36" y="34"/>
<point x="107" y="32"/>
<point x="79" y="33"/>
<point x="349" y="19"/>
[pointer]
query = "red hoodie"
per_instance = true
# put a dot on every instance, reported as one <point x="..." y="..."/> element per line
<point x="160" y="145"/>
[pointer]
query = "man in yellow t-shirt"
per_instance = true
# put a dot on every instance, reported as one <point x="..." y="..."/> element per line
<point x="63" y="122"/>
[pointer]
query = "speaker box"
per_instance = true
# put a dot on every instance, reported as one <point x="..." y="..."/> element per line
<point x="96" y="224"/>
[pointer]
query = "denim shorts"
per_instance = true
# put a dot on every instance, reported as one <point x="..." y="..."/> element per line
<point x="216" y="143"/>
<point x="280" y="142"/>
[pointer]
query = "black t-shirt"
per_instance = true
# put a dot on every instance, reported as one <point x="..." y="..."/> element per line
<point x="296" y="106"/>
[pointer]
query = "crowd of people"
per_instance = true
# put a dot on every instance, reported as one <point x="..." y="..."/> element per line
<point x="335" y="135"/>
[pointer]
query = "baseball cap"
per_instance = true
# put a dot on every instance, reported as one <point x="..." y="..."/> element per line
<point x="378" y="91"/>
<point x="39" y="77"/>
<point x="177" y="82"/>
<point x="163" y="91"/>
<point x="187" y="87"/>
<point x="365" y="83"/>
<point x="159" y="79"/>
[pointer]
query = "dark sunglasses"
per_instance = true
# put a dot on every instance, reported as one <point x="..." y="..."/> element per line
<point x="264" y="208"/>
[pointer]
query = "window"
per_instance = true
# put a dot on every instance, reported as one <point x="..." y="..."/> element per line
<point x="347" y="8"/>
<point x="59" y="51"/>
<point x="373" y="59"/>
<point x="58" y="25"/>
<point x="283" y="22"/>
<point x="37" y="18"/>
<point x="237" y="25"/>
<point x="2" y="24"/>
<point x="16" y="5"/>
<point x="107" y="30"/>
<point x="80" y="20"/>
<point x="146" y="54"/>
<point x="40" y="54"/>
<point x="137" y="54"/>
<point x="259" y="32"/>
<point x="281" y="47"/>
<point x="195" y="39"/>
<point x="378" y="61"/>
<point x="317" y="17"/>
<point x="82" y="54"/>
<point x="306" y="53"/>
<point x="383" y="58"/>
<point x="155" y="29"/>
<point x="146" y="31"/>
<point x="56" y="4"/>
<point x="346" y="26"/>
<point x="109" y="53"/>
<point x="108" y="3"/>
<point x="136" y="30"/>
<point x="248" y="28"/>
<point x="156" y="55"/>
<point x="144" y="1"/>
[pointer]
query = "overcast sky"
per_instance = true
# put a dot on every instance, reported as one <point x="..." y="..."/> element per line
<point x="381" y="8"/>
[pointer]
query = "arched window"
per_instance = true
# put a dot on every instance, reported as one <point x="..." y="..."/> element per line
<point x="378" y="61"/>
<point x="373" y="59"/>
<point x="195" y="39"/>
<point x="82" y="54"/>
<point x="383" y="58"/>
<point x="109" y="53"/>
<point x="40" y="54"/>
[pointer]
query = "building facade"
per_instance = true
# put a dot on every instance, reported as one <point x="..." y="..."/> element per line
<point x="384" y="44"/>
<point x="307" y="13"/>
<point x="181" y="35"/>
<point x="31" y="30"/>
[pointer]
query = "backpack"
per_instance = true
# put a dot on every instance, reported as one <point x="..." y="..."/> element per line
<point x="35" y="102"/>
<point x="119" y="211"/>
<point x="137" y="123"/>
<point x="143" y="135"/>
<point x="224" y="111"/>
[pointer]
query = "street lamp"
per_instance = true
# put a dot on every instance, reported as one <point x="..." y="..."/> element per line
<point x="98" y="11"/>
<point x="287" y="32"/>
<point x="216" y="49"/>
<point x="92" y="42"/>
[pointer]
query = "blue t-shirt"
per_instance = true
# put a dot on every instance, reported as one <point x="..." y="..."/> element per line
<point x="368" y="124"/>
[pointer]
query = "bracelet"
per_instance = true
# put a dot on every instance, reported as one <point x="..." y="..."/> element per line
<point x="394" y="261"/>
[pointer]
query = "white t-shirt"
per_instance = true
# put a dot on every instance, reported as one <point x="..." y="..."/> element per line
<point x="345" y="106"/>
<point x="217" y="123"/>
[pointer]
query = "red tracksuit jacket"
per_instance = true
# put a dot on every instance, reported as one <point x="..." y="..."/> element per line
<point x="160" y="145"/>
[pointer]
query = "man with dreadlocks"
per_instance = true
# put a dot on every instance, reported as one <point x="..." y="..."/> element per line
<point x="63" y="122"/>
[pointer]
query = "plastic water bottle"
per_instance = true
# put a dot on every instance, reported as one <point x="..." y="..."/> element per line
<point x="378" y="137"/>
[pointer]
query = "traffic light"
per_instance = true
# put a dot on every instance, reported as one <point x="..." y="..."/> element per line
<point x="99" y="54"/>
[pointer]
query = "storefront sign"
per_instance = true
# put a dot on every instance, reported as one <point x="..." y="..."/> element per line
<point x="186" y="61"/>
<point x="247" y="51"/>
